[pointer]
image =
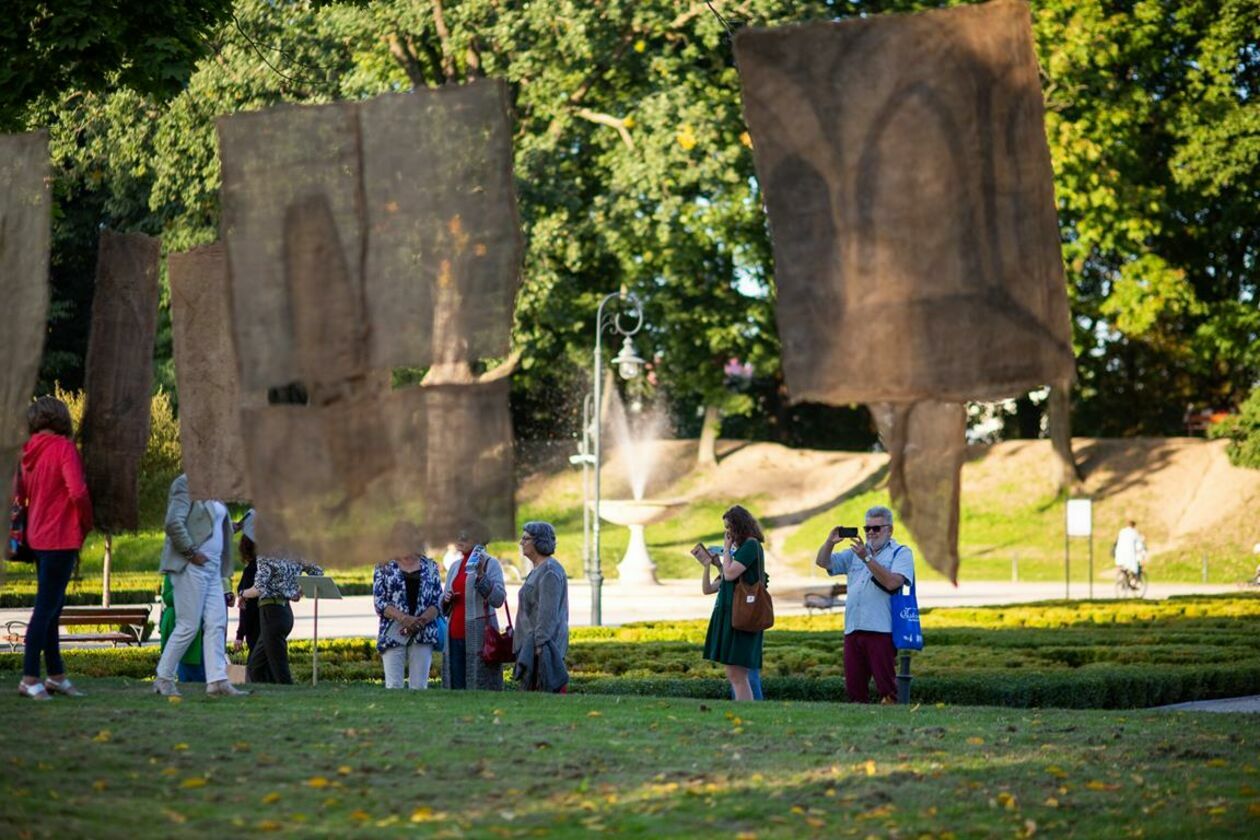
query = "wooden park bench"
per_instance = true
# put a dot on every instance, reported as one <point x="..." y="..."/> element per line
<point x="129" y="620"/>
<point x="832" y="599"/>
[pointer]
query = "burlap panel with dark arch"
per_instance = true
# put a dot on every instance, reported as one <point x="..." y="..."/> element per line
<point x="908" y="183"/>
<point x="361" y="238"/>
<point x="205" y="371"/>
<point x="25" y="231"/>
<point x="118" y="384"/>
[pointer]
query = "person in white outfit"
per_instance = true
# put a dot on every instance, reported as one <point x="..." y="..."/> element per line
<point x="197" y="555"/>
<point x="1130" y="549"/>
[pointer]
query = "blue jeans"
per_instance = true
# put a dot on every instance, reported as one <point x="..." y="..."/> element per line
<point x="53" y="569"/>
<point x="754" y="682"/>
<point x="455" y="667"/>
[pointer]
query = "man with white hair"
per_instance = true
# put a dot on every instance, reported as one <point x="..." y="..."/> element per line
<point x="876" y="567"/>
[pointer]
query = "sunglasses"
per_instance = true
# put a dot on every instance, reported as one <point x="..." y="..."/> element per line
<point x="873" y="529"/>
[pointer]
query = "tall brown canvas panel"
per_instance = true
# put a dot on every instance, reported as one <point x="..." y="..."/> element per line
<point x="926" y="444"/>
<point x="346" y="474"/>
<point x="393" y="244"/>
<point x="205" y="370"/>
<point x="908" y="183"/>
<point x="442" y="270"/>
<point x="25" y="231"/>
<point x="271" y="160"/>
<point x="118" y="384"/>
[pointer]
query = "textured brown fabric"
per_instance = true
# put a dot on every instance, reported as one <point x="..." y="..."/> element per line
<point x="25" y="228"/>
<point x="118" y="384"/>
<point x="205" y="371"/>
<point x="420" y="190"/>
<point x="926" y="442"/>
<point x="361" y="238"/>
<point x="910" y="195"/>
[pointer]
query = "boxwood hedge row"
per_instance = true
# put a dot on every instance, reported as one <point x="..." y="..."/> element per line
<point x="1150" y="654"/>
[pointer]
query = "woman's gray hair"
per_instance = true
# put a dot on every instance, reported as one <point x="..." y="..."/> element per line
<point x="880" y="511"/>
<point x="544" y="537"/>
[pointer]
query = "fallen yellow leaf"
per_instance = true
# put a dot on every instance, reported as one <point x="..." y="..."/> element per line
<point x="594" y="714"/>
<point x="181" y="747"/>
<point x="102" y="737"/>
<point x="271" y="798"/>
<point x="317" y="782"/>
<point x="193" y="782"/>
<point x="975" y="741"/>
<point x="270" y="825"/>
<point x="870" y="767"/>
<point x="343" y="770"/>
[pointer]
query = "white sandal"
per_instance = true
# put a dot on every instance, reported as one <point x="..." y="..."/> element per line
<point x="34" y="691"/>
<point x="65" y="687"/>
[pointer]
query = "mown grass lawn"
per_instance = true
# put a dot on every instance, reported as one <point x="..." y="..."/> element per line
<point x="354" y="760"/>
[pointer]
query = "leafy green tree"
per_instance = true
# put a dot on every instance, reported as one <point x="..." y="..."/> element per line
<point x="48" y="47"/>
<point x="1152" y="122"/>
<point x="1242" y="430"/>
<point x="633" y="167"/>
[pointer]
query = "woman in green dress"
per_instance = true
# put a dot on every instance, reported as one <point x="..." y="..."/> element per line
<point x="742" y="556"/>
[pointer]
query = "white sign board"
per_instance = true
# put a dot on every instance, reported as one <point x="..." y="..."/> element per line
<point x="1080" y="517"/>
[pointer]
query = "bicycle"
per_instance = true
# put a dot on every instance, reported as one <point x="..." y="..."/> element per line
<point x="1131" y="584"/>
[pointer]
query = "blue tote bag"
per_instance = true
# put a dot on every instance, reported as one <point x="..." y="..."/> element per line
<point x="906" y="632"/>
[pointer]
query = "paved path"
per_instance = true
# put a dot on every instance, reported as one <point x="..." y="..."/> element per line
<point x="1233" y="704"/>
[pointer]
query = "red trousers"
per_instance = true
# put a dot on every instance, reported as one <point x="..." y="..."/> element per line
<point x="868" y="654"/>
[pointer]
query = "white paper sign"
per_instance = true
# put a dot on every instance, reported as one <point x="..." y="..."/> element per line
<point x="1080" y="517"/>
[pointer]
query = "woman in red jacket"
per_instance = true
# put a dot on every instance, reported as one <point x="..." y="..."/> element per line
<point x="58" y="517"/>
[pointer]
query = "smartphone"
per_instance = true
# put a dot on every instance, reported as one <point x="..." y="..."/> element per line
<point x="847" y="532"/>
<point x="701" y="553"/>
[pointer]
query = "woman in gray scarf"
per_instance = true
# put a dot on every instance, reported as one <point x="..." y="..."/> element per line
<point x="542" y="624"/>
<point x="473" y="593"/>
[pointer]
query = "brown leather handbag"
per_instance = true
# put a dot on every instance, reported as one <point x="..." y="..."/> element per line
<point x="752" y="610"/>
<point x="496" y="645"/>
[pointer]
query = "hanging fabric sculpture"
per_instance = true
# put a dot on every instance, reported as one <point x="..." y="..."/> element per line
<point x="365" y="241"/>
<point x="205" y="370"/>
<point x="118" y="383"/>
<point x="910" y="194"/>
<point x="25" y="231"/>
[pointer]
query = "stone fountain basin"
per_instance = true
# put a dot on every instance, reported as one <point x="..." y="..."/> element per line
<point x="637" y="512"/>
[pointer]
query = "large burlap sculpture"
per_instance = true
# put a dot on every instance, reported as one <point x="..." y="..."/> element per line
<point x="25" y="231"/>
<point x="363" y="238"/>
<point x="118" y="384"/>
<point x="908" y="183"/>
<point x="205" y="371"/>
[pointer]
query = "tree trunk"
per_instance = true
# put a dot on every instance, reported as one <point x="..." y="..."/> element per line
<point x="1058" y="407"/>
<point x="707" y="454"/>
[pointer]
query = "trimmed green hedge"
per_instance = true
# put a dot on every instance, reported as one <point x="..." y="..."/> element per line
<point x="1055" y="654"/>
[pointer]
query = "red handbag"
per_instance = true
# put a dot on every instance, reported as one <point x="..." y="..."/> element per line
<point x="496" y="645"/>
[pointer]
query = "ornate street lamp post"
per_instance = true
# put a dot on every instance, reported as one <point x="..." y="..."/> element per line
<point x="629" y="366"/>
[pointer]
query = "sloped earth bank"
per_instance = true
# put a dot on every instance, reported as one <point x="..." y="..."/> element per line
<point x="1184" y="494"/>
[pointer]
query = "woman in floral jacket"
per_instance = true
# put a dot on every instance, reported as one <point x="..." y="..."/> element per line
<point x="406" y="591"/>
